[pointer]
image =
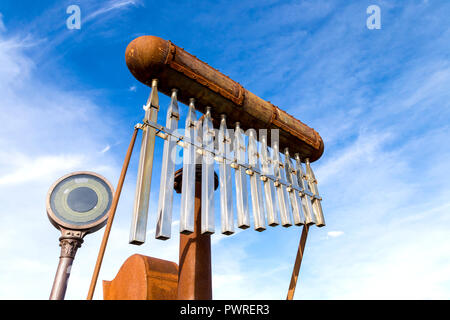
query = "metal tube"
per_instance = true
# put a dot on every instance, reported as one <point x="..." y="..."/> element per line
<point x="226" y="204"/>
<point x="296" y="202"/>
<point x="269" y="188"/>
<point x="240" y="180"/>
<point x="306" y="201"/>
<point x="111" y="215"/>
<point x="283" y="200"/>
<point x="188" y="182"/>
<point x="316" y="205"/>
<point x="141" y="200"/>
<point x="208" y="175"/>
<point x="255" y="184"/>
<point x="69" y="246"/>
<point x="164" y="222"/>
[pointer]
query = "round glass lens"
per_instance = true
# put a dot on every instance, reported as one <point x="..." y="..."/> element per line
<point x="82" y="199"/>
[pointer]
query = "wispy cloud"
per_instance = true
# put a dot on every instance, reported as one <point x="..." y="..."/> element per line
<point x="113" y="6"/>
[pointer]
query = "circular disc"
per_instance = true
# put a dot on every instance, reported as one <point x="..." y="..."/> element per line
<point x="80" y="201"/>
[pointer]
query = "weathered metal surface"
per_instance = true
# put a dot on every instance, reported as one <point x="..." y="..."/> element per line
<point x="69" y="243"/>
<point x="194" y="277"/>
<point x="143" y="278"/>
<point x="150" y="57"/>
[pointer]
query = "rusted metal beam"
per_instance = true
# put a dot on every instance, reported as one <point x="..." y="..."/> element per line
<point x="111" y="215"/>
<point x="150" y="57"/>
<point x="298" y="263"/>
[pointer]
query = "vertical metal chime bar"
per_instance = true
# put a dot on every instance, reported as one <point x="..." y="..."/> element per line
<point x="296" y="202"/>
<point x="208" y="174"/>
<point x="306" y="201"/>
<point x="140" y="210"/>
<point x="188" y="181"/>
<point x="316" y="205"/>
<point x="283" y="200"/>
<point x="241" y="179"/>
<point x="226" y="203"/>
<point x="164" y="222"/>
<point x="255" y="184"/>
<point x="269" y="189"/>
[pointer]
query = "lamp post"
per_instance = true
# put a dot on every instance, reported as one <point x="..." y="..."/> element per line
<point x="77" y="204"/>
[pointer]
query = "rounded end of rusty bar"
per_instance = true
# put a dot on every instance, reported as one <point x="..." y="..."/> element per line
<point x="145" y="56"/>
<point x="150" y="57"/>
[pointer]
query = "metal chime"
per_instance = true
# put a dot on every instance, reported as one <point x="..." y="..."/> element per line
<point x="283" y="189"/>
<point x="280" y="193"/>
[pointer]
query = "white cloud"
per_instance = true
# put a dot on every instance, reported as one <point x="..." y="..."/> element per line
<point x="106" y="149"/>
<point x="112" y="6"/>
<point x="335" y="234"/>
<point x="28" y="168"/>
<point x="45" y="132"/>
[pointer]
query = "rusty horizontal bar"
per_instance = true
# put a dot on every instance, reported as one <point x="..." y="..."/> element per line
<point x="150" y="57"/>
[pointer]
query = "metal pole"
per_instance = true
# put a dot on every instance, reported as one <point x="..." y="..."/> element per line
<point x="194" y="268"/>
<point x="298" y="262"/>
<point x="112" y="213"/>
<point x="69" y="246"/>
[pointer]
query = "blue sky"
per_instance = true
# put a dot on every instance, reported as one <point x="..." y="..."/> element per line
<point x="379" y="98"/>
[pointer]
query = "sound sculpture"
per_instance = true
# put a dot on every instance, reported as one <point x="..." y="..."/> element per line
<point x="267" y="151"/>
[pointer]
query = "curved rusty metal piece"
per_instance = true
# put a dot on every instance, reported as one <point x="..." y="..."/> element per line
<point x="150" y="57"/>
<point x="143" y="278"/>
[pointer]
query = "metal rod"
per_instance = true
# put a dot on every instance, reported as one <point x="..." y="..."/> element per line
<point x="143" y="185"/>
<point x="208" y="174"/>
<point x="316" y="205"/>
<point x="255" y="184"/>
<point x="184" y="141"/>
<point x="306" y="200"/>
<point x="111" y="215"/>
<point x="226" y="204"/>
<point x="269" y="188"/>
<point x="188" y="182"/>
<point x="283" y="200"/>
<point x="164" y="220"/>
<point x="296" y="202"/>
<point x="298" y="263"/>
<point x="240" y="179"/>
<point x="69" y="245"/>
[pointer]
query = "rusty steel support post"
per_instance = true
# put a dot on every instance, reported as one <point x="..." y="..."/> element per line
<point x="298" y="262"/>
<point x="194" y="268"/>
